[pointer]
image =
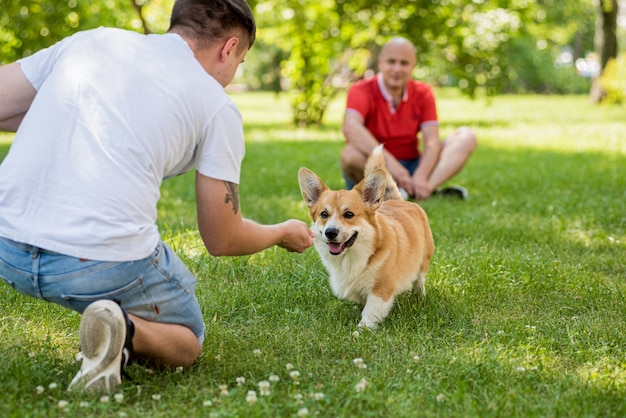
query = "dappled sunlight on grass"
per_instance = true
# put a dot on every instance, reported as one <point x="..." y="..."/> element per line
<point x="6" y="137"/>
<point x="287" y="133"/>
<point x="606" y="372"/>
<point x="524" y="313"/>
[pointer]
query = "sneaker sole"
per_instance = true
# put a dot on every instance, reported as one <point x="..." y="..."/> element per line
<point x="102" y="337"/>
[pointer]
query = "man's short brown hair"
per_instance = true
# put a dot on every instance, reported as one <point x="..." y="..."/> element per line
<point x="208" y="21"/>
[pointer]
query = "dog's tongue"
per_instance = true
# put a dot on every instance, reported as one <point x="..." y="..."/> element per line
<point x="334" y="248"/>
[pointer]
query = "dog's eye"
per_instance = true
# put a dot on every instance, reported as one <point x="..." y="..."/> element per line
<point x="348" y="215"/>
<point x="324" y="214"/>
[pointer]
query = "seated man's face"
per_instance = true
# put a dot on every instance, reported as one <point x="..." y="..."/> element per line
<point x="396" y="62"/>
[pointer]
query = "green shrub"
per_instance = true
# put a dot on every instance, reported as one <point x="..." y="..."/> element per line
<point x="613" y="80"/>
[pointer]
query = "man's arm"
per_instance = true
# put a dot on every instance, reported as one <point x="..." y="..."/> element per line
<point x="225" y="232"/>
<point x="357" y="134"/>
<point x="16" y="96"/>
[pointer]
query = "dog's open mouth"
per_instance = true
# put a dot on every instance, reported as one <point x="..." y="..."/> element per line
<point x="337" y="248"/>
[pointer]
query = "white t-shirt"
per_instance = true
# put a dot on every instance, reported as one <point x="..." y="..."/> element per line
<point x="115" y="113"/>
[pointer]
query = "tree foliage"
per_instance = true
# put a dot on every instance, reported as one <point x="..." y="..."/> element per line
<point x="314" y="48"/>
<point x="481" y="46"/>
<point x="27" y="26"/>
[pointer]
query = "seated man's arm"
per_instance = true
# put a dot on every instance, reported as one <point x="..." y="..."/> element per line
<point x="225" y="232"/>
<point x="16" y="96"/>
<point x="357" y="134"/>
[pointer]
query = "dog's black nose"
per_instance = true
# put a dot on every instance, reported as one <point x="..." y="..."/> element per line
<point x="331" y="233"/>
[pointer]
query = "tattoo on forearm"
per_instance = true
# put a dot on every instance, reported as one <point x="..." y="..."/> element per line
<point x="232" y="195"/>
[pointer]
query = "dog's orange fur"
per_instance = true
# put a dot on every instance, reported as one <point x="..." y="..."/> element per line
<point x="373" y="243"/>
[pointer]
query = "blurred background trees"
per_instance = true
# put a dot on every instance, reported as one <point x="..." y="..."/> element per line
<point x="313" y="49"/>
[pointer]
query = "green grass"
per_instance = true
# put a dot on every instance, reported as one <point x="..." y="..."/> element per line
<point x="525" y="313"/>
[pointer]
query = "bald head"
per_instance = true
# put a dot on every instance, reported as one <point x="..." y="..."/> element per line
<point x="399" y="43"/>
<point x="396" y="63"/>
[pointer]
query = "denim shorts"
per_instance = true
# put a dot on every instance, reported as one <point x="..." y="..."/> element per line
<point x="157" y="288"/>
<point x="410" y="165"/>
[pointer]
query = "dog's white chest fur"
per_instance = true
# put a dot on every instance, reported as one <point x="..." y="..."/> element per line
<point x="350" y="275"/>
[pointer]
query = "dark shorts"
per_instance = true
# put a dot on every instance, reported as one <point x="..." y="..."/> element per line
<point x="410" y="165"/>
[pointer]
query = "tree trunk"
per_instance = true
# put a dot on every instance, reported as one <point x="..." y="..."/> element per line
<point x="605" y="40"/>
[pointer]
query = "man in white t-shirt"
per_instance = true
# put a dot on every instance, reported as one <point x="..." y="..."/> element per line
<point x="101" y="118"/>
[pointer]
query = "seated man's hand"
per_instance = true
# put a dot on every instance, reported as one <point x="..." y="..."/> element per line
<point x="402" y="177"/>
<point x="421" y="189"/>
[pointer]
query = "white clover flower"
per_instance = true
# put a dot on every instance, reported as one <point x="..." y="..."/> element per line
<point x="294" y="374"/>
<point x="84" y="404"/>
<point x="358" y="362"/>
<point x="241" y="380"/>
<point x="356" y="334"/>
<point x="256" y="352"/>
<point x="441" y="397"/>
<point x="40" y="389"/>
<point x="32" y="354"/>
<point x="179" y="369"/>
<point x="224" y="390"/>
<point x="218" y="357"/>
<point x="52" y="386"/>
<point x="251" y="397"/>
<point x="289" y="366"/>
<point x="303" y="412"/>
<point x="500" y="332"/>
<point x="264" y="388"/>
<point x="62" y="404"/>
<point x="122" y="414"/>
<point x="318" y="396"/>
<point x="104" y="399"/>
<point x="298" y="397"/>
<point x="362" y="385"/>
<point x="156" y="397"/>
<point x="416" y="358"/>
<point x="119" y="397"/>
<point x="274" y="378"/>
<point x="207" y="403"/>
<point x="521" y="369"/>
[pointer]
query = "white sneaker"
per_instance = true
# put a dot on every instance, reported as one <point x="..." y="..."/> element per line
<point x="106" y="344"/>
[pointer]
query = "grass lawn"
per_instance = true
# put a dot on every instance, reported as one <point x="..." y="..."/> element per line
<point x="525" y="313"/>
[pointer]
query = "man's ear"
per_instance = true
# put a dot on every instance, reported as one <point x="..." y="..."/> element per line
<point x="229" y="47"/>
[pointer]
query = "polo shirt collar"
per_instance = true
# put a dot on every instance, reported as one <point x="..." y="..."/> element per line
<point x="387" y="95"/>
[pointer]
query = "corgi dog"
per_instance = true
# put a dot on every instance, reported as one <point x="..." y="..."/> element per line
<point x="374" y="244"/>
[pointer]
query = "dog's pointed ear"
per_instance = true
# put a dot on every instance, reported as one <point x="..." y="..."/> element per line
<point x="311" y="186"/>
<point x="373" y="188"/>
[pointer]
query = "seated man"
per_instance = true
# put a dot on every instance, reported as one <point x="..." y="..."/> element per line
<point x="392" y="108"/>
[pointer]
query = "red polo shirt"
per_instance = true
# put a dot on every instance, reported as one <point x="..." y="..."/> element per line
<point x="396" y="128"/>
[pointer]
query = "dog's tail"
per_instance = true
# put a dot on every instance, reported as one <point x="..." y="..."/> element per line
<point x="376" y="161"/>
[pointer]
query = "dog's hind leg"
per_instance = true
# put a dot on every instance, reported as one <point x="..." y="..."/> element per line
<point x="419" y="285"/>
<point x="375" y="310"/>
